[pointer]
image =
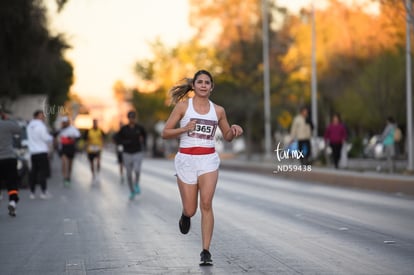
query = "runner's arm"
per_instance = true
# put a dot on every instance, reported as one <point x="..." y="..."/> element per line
<point x="170" y="130"/>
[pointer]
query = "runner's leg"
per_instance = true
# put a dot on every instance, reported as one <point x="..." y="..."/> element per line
<point x="91" y="165"/>
<point x="189" y="197"/>
<point x="98" y="162"/>
<point x="207" y="184"/>
<point x="138" y="158"/>
<point x="64" y="166"/>
<point x="128" y="163"/>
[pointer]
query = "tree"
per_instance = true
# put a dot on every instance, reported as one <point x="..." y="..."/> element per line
<point x="156" y="78"/>
<point x="121" y="93"/>
<point x="356" y="51"/>
<point x="376" y="93"/>
<point x="349" y="41"/>
<point x="396" y="10"/>
<point x="228" y="43"/>
<point x="32" y="59"/>
<point x="235" y="29"/>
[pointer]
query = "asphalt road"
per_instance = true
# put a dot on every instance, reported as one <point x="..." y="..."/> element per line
<point x="264" y="225"/>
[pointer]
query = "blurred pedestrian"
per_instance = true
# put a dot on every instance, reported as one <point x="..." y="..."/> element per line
<point x="197" y="162"/>
<point x="133" y="138"/>
<point x="40" y="142"/>
<point x="119" y="149"/>
<point x="301" y="131"/>
<point x="8" y="159"/>
<point x="94" y="141"/>
<point x="67" y="137"/>
<point x="387" y="139"/>
<point x="335" y="135"/>
<point x="398" y="138"/>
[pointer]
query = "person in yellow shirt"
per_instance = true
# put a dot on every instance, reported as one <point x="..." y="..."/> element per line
<point x="94" y="141"/>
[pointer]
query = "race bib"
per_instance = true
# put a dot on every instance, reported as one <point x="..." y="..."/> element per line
<point x="204" y="129"/>
<point x="120" y="148"/>
<point x="94" y="148"/>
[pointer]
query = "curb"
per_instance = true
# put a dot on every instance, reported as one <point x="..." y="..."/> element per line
<point x="351" y="179"/>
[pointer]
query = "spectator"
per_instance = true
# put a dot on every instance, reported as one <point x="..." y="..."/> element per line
<point x="301" y="131"/>
<point x="387" y="139"/>
<point x="335" y="135"/>
<point x="39" y="141"/>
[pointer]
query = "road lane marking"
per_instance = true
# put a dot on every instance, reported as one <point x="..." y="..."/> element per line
<point x="75" y="267"/>
<point x="70" y="227"/>
<point x="389" y="242"/>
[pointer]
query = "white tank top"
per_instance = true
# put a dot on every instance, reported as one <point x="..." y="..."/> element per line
<point x="203" y="135"/>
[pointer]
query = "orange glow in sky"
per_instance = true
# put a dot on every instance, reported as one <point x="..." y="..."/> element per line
<point x="109" y="36"/>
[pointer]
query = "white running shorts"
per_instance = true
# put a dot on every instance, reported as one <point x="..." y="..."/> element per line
<point x="190" y="167"/>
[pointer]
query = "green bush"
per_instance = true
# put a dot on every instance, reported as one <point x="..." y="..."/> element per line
<point x="357" y="148"/>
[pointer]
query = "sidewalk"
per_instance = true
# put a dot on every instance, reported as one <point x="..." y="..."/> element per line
<point x="362" y="179"/>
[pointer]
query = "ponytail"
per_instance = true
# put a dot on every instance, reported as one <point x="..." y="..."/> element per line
<point x="180" y="91"/>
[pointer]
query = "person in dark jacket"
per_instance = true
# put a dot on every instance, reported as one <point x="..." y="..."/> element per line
<point x="133" y="139"/>
<point x="335" y="135"/>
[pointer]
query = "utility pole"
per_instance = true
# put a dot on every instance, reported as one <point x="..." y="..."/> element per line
<point x="314" y="96"/>
<point x="266" y="80"/>
<point x="410" y="163"/>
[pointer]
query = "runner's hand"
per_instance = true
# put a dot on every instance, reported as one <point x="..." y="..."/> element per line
<point x="236" y="130"/>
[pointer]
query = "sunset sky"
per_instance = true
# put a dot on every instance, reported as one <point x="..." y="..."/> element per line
<point x="109" y="36"/>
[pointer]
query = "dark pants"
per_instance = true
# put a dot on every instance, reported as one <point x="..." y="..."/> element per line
<point x="336" y="153"/>
<point x="8" y="174"/>
<point x="304" y="146"/>
<point x="40" y="171"/>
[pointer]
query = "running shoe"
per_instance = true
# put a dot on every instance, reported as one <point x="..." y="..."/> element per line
<point x="45" y="195"/>
<point x="12" y="208"/>
<point x="132" y="196"/>
<point x="185" y="224"/>
<point x="137" y="189"/>
<point x="32" y="196"/>
<point x="66" y="183"/>
<point x="205" y="258"/>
